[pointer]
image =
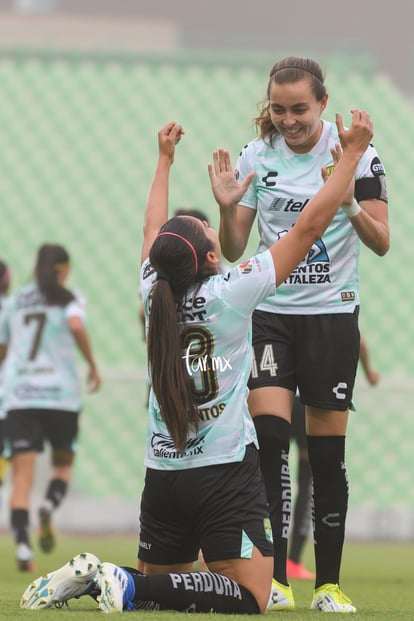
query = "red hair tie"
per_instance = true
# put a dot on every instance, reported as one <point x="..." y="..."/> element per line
<point x="189" y="244"/>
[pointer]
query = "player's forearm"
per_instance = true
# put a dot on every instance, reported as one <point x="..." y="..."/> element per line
<point x="156" y="212"/>
<point x="373" y="233"/>
<point x="232" y="241"/>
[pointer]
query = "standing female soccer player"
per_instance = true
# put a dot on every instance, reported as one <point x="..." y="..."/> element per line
<point x="203" y="486"/>
<point x="307" y="335"/>
<point x="43" y="325"/>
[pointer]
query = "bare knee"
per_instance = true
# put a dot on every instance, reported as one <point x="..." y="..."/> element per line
<point x="62" y="458"/>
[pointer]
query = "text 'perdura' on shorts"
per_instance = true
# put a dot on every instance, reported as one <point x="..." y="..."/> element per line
<point x="221" y="509"/>
<point x="316" y="353"/>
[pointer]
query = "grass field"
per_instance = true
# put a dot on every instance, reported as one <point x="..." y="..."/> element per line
<point x="377" y="576"/>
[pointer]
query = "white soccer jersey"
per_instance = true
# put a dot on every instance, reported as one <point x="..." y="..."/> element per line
<point x="40" y="369"/>
<point x="326" y="280"/>
<point x="216" y="320"/>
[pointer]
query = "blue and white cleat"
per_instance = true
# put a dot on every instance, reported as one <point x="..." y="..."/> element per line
<point x="74" y="579"/>
<point x="117" y="589"/>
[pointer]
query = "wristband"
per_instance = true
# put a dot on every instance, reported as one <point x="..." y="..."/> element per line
<point x="353" y="209"/>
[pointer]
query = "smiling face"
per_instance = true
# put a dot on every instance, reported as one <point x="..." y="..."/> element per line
<point x="296" y="113"/>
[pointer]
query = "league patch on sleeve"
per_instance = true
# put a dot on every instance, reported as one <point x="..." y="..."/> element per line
<point x="246" y="267"/>
<point x="376" y="167"/>
<point x="348" y="296"/>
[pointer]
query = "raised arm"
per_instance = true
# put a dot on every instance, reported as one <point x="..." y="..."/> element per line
<point x="371" y="225"/>
<point x="235" y="220"/>
<point x="234" y="230"/>
<point x="369" y="219"/>
<point x="156" y="212"/>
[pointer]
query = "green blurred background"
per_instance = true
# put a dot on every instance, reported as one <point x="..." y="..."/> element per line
<point x="78" y="144"/>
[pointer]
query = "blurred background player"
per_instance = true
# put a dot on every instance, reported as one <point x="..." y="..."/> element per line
<point x="42" y="326"/>
<point x="4" y="289"/>
<point x="302" y="513"/>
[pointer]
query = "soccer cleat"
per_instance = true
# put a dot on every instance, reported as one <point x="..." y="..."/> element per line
<point x="329" y="598"/>
<point x="74" y="579"/>
<point x="298" y="571"/>
<point x="24" y="557"/>
<point x="117" y="589"/>
<point x="281" y="597"/>
<point x="47" y="539"/>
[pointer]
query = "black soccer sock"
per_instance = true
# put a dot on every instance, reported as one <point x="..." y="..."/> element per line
<point x="330" y="500"/>
<point x="19" y="522"/>
<point x="55" y="493"/>
<point x="302" y="513"/>
<point x="192" y="592"/>
<point x="273" y="435"/>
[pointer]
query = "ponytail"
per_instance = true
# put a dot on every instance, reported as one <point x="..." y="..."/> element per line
<point x="52" y="258"/>
<point x="178" y="254"/>
<point x="168" y="373"/>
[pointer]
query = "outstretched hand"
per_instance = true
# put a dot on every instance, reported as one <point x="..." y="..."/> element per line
<point x="359" y="135"/>
<point x="168" y="137"/>
<point x="227" y="191"/>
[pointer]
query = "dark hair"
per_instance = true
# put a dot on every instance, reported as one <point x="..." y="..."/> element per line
<point x="4" y="277"/>
<point x="178" y="254"/>
<point x="196" y="213"/>
<point x="286" y="71"/>
<point x="51" y="258"/>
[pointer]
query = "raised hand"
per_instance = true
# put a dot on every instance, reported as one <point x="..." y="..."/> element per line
<point x="168" y="137"/>
<point x="359" y="135"/>
<point x="227" y="191"/>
